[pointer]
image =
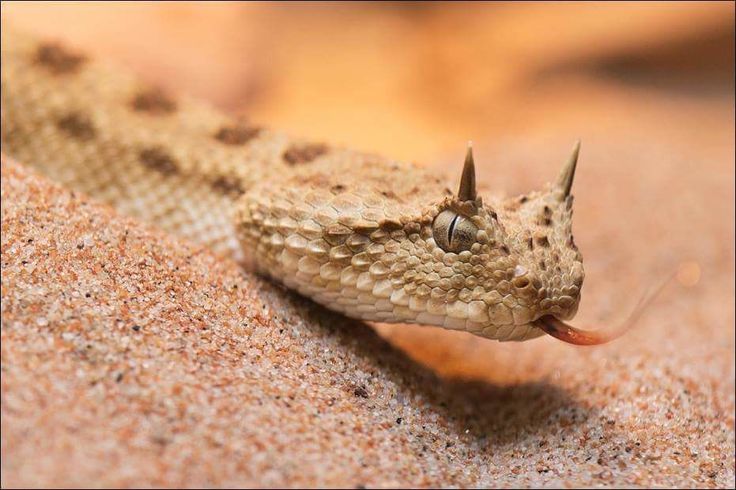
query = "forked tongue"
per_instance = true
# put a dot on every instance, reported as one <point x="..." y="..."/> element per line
<point x="567" y="333"/>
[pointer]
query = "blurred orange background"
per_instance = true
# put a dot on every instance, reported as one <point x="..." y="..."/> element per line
<point x="416" y="80"/>
<point x="648" y="87"/>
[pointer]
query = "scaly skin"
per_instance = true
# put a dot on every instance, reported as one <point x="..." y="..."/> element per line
<point x="357" y="233"/>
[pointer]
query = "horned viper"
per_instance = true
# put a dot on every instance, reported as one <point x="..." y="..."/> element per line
<point x="361" y="234"/>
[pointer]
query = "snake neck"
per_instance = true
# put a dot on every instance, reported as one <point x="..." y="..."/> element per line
<point x="168" y="160"/>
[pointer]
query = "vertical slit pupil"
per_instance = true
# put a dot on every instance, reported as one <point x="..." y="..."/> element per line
<point x="451" y="229"/>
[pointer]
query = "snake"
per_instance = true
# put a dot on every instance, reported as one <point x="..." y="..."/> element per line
<point x="364" y="235"/>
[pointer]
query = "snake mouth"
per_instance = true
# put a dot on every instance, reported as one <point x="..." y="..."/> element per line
<point x="567" y="333"/>
<point x="571" y="335"/>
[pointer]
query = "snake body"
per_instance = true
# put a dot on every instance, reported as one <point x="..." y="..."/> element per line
<point x="364" y="235"/>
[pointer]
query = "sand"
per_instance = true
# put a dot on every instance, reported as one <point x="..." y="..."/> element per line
<point x="133" y="358"/>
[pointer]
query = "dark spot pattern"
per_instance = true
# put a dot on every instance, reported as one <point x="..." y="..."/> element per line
<point x="337" y="188"/>
<point x="237" y="134"/>
<point x="157" y="159"/>
<point x="523" y="199"/>
<point x="390" y="225"/>
<point x="571" y="243"/>
<point x="228" y="185"/>
<point x="304" y="153"/>
<point x="77" y="125"/>
<point x="505" y="249"/>
<point x="364" y="228"/>
<point x="361" y="392"/>
<point x="153" y="101"/>
<point x="543" y="241"/>
<point x="530" y="244"/>
<point x="58" y="59"/>
<point x="412" y="228"/>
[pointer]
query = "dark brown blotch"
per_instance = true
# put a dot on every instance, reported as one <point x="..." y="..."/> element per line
<point x="571" y="243"/>
<point x="545" y="217"/>
<point x="523" y="199"/>
<point x="58" y="59"/>
<point x="337" y="188"/>
<point x="530" y="244"/>
<point x="304" y="153"/>
<point x="390" y="225"/>
<point x="153" y="101"/>
<point x="364" y="229"/>
<point x="228" y="185"/>
<point x="237" y="134"/>
<point x="505" y="249"/>
<point x="389" y="194"/>
<point x="361" y="392"/>
<point x="412" y="227"/>
<point x="156" y="158"/>
<point x="543" y="241"/>
<point x="77" y="126"/>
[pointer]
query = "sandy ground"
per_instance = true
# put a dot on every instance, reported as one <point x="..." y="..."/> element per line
<point x="131" y="358"/>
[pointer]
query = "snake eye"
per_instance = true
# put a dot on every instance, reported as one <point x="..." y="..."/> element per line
<point x="453" y="232"/>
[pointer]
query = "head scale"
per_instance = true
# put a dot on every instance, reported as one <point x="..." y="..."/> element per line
<point x="507" y="263"/>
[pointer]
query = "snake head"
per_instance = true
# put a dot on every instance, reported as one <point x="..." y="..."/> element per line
<point x="517" y="258"/>
<point x="370" y="238"/>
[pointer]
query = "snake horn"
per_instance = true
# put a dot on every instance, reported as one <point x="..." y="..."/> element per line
<point x="564" y="181"/>
<point x="467" y="181"/>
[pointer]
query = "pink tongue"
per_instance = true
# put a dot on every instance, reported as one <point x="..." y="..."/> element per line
<point x="567" y="333"/>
